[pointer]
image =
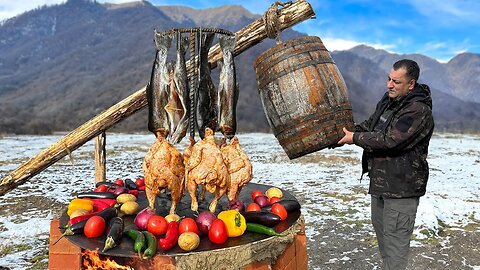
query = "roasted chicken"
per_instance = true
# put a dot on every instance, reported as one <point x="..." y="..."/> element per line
<point x="206" y="167"/>
<point x="239" y="167"/>
<point x="163" y="168"/>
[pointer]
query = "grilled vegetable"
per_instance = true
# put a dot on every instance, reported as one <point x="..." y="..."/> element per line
<point x="77" y="228"/>
<point x="259" y="228"/>
<point x="262" y="217"/>
<point x="290" y="206"/>
<point x="139" y="240"/>
<point x="151" y="241"/>
<point x="123" y="198"/>
<point x="106" y="183"/>
<point x="80" y="218"/>
<point x="79" y="204"/>
<point x="97" y="195"/>
<point x="234" y="221"/>
<point x="109" y="202"/>
<point x="115" y="233"/>
<point x="99" y="205"/>
<point x="171" y="237"/>
<point x="130" y="184"/>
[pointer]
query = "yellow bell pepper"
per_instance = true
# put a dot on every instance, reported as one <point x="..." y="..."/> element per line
<point x="234" y="221"/>
<point x="80" y="204"/>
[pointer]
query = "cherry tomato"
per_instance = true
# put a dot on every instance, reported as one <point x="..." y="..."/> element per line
<point x="101" y="188"/>
<point x="119" y="182"/>
<point x="256" y="193"/>
<point x="157" y="225"/>
<point x="218" y="232"/>
<point x="273" y="200"/>
<point x="140" y="182"/>
<point x="279" y="210"/>
<point x="253" y="207"/>
<point x="94" y="227"/>
<point x="187" y="225"/>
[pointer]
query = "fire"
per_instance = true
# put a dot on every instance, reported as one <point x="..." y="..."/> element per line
<point x="92" y="261"/>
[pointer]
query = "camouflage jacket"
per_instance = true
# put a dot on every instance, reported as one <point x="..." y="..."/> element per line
<point x="395" y="141"/>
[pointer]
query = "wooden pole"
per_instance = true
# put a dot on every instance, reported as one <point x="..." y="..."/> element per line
<point x="247" y="37"/>
<point x="100" y="158"/>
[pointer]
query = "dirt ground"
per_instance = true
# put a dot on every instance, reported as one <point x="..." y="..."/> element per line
<point x="347" y="247"/>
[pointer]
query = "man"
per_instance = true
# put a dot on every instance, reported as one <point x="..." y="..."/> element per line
<point x="395" y="141"/>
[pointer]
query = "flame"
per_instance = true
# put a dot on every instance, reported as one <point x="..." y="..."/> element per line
<point x="92" y="261"/>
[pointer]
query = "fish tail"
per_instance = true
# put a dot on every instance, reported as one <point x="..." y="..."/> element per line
<point x="163" y="41"/>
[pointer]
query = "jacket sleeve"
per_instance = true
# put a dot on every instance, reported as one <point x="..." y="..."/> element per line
<point x="411" y="125"/>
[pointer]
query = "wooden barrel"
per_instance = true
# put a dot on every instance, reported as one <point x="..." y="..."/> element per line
<point x="304" y="95"/>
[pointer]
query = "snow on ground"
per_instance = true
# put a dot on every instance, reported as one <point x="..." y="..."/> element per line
<point x="326" y="183"/>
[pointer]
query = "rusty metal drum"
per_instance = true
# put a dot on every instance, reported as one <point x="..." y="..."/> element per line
<point x="304" y="96"/>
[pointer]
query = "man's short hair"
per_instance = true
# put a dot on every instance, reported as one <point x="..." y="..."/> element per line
<point x="412" y="68"/>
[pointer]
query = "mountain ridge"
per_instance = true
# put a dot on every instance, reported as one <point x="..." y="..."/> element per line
<point x="65" y="63"/>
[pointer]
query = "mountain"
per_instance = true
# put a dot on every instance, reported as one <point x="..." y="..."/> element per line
<point x="63" y="64"/>
<point x="367" y="85"/>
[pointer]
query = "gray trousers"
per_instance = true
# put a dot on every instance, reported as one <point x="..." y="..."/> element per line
<point x="393" y="220"/>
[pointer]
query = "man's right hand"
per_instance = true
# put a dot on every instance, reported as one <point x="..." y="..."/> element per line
<point x="347" y="139"/>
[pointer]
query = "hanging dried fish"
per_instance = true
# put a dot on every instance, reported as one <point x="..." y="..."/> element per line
<point x="227" y="89"/>
<point x="206" y="109"/>
<point x="182" y="91"/>
<point x="173" y="108"/>
<point x="157" y="88"/>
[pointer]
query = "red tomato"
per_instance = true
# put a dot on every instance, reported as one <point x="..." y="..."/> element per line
<point x="273" y="200"/>
<point x="187" y="225"/>
<point x="279" y="210"/>
<point x="256" y="193"/>
<point x="140" y="182"/>
<point x="94" y="227"/>
<point x="218" y="232"/>
<point x="101" y="188"/>
<point x="119" y="182"/>
<point x="157" y="225"/>
<point x="253" y="207"/>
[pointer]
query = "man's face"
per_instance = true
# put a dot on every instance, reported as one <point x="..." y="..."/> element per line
<point x="398" y="83"/>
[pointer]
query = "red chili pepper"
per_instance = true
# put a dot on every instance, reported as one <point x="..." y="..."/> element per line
<point x="80" y="218"/>
<point x="134" y="192"/>
<point x="109" y="202"/>
<point x="142" y="188"/>
<point x="99" y="206"/>
<point x="171" y="237"/>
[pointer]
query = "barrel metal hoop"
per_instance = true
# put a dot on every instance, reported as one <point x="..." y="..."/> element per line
<point x="289" y="43"/>
<point x="274" y="62"/>
<point x="319" y="116"/>
<point x="268" y="77"/>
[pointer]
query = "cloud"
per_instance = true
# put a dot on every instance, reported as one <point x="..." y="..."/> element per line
<point x="448" y="11"/>
<point x="9" y="9"/>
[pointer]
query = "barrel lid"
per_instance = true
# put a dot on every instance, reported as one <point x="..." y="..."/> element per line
<point x="289" y="43"/>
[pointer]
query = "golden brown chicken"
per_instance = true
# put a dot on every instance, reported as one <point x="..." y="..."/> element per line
<point x="163" y="168"/>
<point x="206" y="167"/>
<point x="239" y="167"/>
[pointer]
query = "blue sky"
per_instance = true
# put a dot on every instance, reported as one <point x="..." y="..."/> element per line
<point x="437" y="28"/>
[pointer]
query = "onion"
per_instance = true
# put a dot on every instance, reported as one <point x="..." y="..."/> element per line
<point x="236" y="204"/>
<point x="141" y="219"/>
<point x="204" y="221"/>
<point x="261" y="200"/>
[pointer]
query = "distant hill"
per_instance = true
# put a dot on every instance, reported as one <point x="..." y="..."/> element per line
<point x="61" y="65"/>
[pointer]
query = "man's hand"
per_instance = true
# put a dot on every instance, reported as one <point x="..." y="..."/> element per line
<point x="347" y="139"/>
